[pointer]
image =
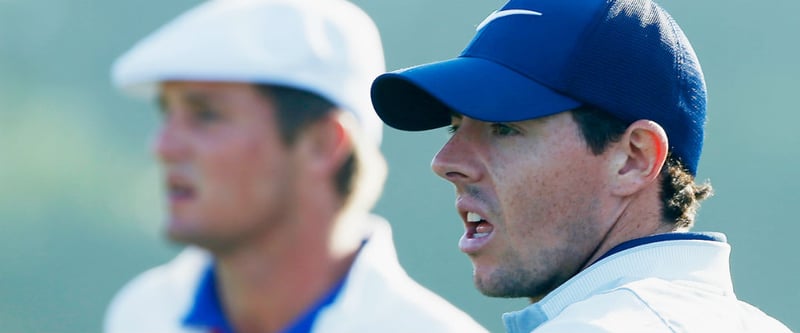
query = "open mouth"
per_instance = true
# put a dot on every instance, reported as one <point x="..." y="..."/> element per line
<point x="179" y="190"/>
<point x="477" y="236"/>
<point x="477" y="226"/>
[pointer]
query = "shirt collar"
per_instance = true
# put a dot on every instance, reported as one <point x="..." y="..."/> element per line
<point x="206" y="310"/>
<point x="667" y="256"/>
<point x="707" y="236"/>
<point x="305" y="322"/>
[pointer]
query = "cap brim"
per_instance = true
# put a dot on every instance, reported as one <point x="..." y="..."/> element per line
<point x="423" y="97"/>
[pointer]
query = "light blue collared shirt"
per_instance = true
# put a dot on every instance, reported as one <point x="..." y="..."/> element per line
<point x="675" y="282"/>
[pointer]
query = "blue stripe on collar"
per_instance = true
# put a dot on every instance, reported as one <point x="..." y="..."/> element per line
<point x="705" y="236"/>
<point x="306" y="321"/>
<point x="206" y="309"/>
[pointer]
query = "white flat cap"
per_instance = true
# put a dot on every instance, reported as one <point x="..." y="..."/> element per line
<point x="328" y="47"/>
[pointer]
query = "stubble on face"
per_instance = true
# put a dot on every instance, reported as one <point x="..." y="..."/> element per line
<point x="514" y="279"/>
<point x="534" y="270"/>
<point x="548" y="214"/>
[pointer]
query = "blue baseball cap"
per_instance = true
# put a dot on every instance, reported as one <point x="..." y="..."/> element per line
<point x="534" y="58"/>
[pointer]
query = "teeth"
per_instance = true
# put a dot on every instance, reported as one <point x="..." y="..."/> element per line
<point x="473" y="217"/>
<point x="480" y="235"/>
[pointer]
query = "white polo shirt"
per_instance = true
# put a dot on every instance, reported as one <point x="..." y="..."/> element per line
<point x="376" y="296"/>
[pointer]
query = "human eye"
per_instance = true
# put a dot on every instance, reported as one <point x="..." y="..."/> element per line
<point x="503" y="129"/>
<point x="452" y="128"/>
<point x="455" y="123"/>
<point x="163" y="112"/>
<point x="206" y="115"/>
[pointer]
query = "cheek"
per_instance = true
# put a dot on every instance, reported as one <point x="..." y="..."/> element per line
<point x="544" y="199"/>
<point x="529" y="207"/>
<point x="234" y="168"/>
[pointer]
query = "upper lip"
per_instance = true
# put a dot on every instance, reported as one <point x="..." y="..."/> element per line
<point x="178" y="181"/>
<point x="464" y="207"/>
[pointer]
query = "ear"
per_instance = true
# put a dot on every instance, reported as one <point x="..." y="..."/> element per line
<point x="325" y="145"/>
<point x="639" y="156"/>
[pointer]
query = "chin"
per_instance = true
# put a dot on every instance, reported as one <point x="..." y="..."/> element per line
<point x="177" y="237"/>
<point x="489" y="290"/>
<point x="504" y="284"/>
<point x="486" y="285"/>
<point x="180" y="232"/>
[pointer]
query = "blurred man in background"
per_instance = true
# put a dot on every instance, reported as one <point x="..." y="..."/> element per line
<point x="271" y="162"/>
<point x="577" y="128"/>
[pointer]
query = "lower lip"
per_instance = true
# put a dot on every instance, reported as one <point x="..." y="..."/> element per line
<point x="176" y="199"/>
<point x="473" y="245"/>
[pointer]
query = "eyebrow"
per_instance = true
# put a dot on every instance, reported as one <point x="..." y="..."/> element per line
<point x="454" y="114"/>
<point x="192" y="99"/>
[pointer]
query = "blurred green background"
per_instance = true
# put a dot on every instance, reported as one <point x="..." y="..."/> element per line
<point x="80" y="206"/>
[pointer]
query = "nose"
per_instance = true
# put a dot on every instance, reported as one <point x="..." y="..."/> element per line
<point x="455" y="161"/>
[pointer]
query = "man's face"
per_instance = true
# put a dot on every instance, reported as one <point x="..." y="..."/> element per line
<point x="530" y="195"/>
<point x="227" y="173"/>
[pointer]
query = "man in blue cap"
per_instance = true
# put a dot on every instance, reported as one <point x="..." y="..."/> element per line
<point x="577" y="128"/>
<point x="270" y="153"/>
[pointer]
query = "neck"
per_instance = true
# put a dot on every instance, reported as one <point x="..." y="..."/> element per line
<point x="267" y="285"/>
<point x="637" y="216"/>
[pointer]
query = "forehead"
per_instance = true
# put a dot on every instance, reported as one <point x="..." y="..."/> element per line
<point x="173" y="93"/>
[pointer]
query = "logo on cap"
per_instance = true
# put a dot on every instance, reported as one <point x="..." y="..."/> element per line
<point x="502" y="13"/>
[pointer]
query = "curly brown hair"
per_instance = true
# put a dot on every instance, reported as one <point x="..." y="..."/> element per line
<point x="680" y="195"/>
